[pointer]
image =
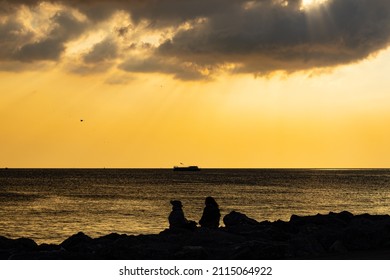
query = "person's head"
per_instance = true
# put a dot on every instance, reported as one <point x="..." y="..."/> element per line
<point x="211" y="201"/>
<point x="176" y="203"/>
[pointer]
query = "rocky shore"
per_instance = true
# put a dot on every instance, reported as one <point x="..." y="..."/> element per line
<point x="332" y="236"/>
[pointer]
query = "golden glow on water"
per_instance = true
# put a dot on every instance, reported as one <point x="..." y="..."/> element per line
<point x="51" y="206"/>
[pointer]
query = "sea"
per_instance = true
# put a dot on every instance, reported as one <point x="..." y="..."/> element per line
<point x="49" y="205"/>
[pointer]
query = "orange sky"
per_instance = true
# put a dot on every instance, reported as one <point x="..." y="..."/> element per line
<point x="333" y="116"/>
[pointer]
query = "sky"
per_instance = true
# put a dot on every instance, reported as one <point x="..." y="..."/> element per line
<point x="214" y="83"/>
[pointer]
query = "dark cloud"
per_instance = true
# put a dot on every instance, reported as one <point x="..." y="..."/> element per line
<point x="245" y="36"/>
<point x="268" y="37"/>
<point x="103" y="51"/>
<point x="157" y="11"/>
<point x="12" y="34"/>
<point x="66" y="27"/>
<point x="5" y="7"/>
<point x="48" y="49"/>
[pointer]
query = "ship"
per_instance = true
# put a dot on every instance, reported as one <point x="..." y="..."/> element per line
<point x="186" y="168"/>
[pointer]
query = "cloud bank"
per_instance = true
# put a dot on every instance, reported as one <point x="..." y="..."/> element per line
<point x="195" y="39"/>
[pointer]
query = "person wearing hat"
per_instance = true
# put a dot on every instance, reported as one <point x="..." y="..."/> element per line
<point x="176" y="217"/>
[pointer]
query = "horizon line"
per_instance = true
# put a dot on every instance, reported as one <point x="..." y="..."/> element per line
<point x="204" y="168"/>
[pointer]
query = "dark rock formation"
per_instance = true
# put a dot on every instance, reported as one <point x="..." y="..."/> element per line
<point x="332" y="236"/>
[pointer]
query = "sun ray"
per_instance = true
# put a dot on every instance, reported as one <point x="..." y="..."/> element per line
<point x="306" y="4"/>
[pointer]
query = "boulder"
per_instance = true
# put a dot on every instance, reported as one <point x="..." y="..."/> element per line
<point x="259" y="250"/>
<point x="335" y="235"/>
<point x="338" y="247"/>
<point x="234" y="219"/>
<point x="78" y="240"/>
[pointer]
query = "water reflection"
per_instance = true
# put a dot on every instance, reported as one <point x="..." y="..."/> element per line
<point x="51" y="205"/>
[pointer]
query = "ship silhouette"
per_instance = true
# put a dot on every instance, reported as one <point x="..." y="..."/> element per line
<point x="186" y="168"/>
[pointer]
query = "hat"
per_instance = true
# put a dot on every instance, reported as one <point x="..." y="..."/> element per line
<point x="176" y="203"/>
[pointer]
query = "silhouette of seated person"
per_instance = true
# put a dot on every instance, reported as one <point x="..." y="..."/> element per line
<point x="176" y="217"/>
<point x="211" y="214"/>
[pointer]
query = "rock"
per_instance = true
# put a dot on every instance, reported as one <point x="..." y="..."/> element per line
<point x="364" y="233"/>
<point x="336" y="235"/>
<point x="338" y="247"/>
<point x="305" y="245"/>
<point x="215" y="237"/>
<point x="26" y="244"/>
<point x="10" y="247"/>
<point x="260" y="250"/>
<point x="49" y="247"/>
<point x="344" y="216"/>
<point x="76" y="241"/>
<point x="79" y="246"/>
<point x="319" y="219"/>
<point x="122" y="248"/>
<point x="20" y="243"/>
<point x="238" y="219"/>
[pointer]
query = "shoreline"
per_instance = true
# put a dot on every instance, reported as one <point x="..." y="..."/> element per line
<point x="330" y="236"/>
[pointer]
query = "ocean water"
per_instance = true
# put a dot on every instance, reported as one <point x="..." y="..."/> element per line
<point x="49" y="205"/>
